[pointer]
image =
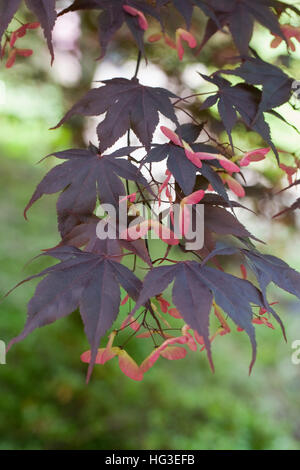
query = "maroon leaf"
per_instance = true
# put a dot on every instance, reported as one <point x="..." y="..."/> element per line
<point x="128" y="104"/>
<point x="272" y="269"/>
<point x="81" y="280"/>
<point x="85" y="176"/>
<point x="222" y="222"/>
<point x="243" y="99"/>
<point x="232" y="294"/>
<point x="211" y="199"/>
<point x="277" y="86"/>
<point x="113" y="16"/>
<point x="186" y="9"/>
<point x="267" y="269"/>
<point x="195" y="313"/>
<point x="239" y="16"/>
<point x="7" y="12"/>
<point x="46" y="14"/>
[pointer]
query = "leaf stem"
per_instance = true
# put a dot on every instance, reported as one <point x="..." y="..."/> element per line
<point x="138" y="63"/>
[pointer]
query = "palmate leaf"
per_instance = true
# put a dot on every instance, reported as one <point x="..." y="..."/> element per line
<point x="46" y="14"/>
<point x="7" y="12"/>
<point x="186" y="9"/>
<point x="211" y="199"/>
<point x="222" y="222"/>
<point x="277" y="86"/>
<point x="85" y="176"/>
<point x="272" y="269"/>
<point x="240" y="16"/>
<point x="266" y="268"/>
<point x="113" y="16"/>
<point x="128" y="105"/>
<point x="193" y="291"/>
<point x="269" y="269"/>
<point x="81" y="280"/>
<point x="84" y="234"/>
<point x="241" y="99"/>
<point x="44" y="10"/>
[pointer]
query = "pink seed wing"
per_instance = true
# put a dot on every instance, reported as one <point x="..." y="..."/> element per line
<point x="173" y="353"/>
<point x="171" y="135"/>
<point x="129" y="367"/>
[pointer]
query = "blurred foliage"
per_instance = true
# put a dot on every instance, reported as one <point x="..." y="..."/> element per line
<point x="45" y="403"/>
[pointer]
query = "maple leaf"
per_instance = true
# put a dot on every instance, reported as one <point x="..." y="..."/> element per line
<point x="127" y="104"/>
<point x="7" y="12"/>
<point x="276" y="84"/>
<point x="46" y="14"/>
<point x="84" y="234"/>
<point x="240" y="16"/>
<point x="113" y="16"/>
<point x="217" y="200"/>
<point x="269" y="268"/>
<point x="222" y="222"/>
<point x="43" y="9"/>
<point x="85" y="176"/>
<point x="185" y="9"/>
<point x="242" y="99"/>
<point x="200" y="284"/>
<point x="81" y="280"/>
<point x="195" y="313"/>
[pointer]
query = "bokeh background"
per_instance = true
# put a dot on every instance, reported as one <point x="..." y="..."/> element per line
<point x="44" y="402"/>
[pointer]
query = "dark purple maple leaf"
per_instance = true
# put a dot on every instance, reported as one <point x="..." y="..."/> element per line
<point x="211" y="199"/>
<point x="7" y="12"/>
<point x="85" y="235"/>
<point x="128" y="105"/>
<point x="277" y="86"/>
<point x="84" y="177"/>
<point x="239" y="16"/>
<point x="195" y="313"/>
<point x="272" y="269"/>
<point x="266" y="268"/>
<point x="222" y="222"/>
<point x="44" y="10"/>
<point x="202" y="283"/>
<point x="46" y="14"/>
<point x="241" y="99"/>
<point x="113" y="16"/>
<point x="186" y="7"/>
<point x="81" y="280"/>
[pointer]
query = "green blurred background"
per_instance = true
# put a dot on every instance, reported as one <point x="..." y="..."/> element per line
<point x="44" y="402"/>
